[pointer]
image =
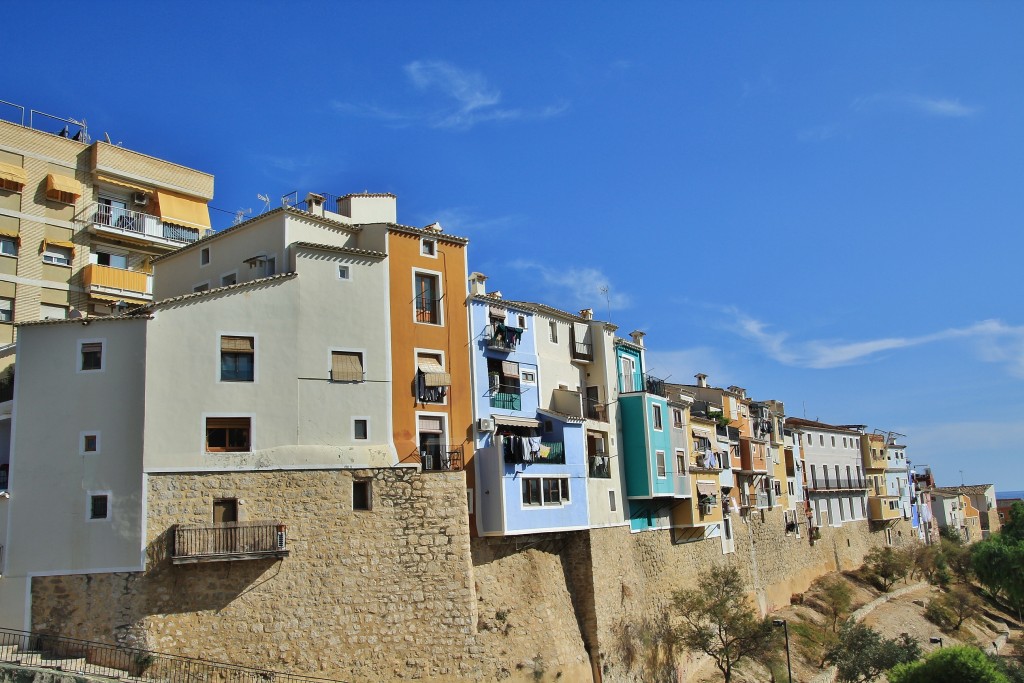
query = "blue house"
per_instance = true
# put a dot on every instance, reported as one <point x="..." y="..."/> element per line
<point x="529" y="463"/>
<point x="652" y="483"/>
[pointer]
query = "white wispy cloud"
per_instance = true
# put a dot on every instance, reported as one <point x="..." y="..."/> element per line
<point x="458" y="99"/>
<point x="996" y="342"/>
<point x="465" y="220"/>
<point x="584" y="287"/>
<point x="680" y="365"/>
<point x="933" y="106"/>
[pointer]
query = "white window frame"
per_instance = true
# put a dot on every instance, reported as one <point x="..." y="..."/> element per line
<point x="528" y="376"/>
<point x="553" y="331"/>
<point x="661" y="466"/>
<point x="426" y="413"/>
<point x="369" y="430"/>
<point x="81" y="443"/>
<point x="657" y="417"/>
<point x="561" y="504"/>
<point x="439" y="276"/>
<point x="612" y="507"/>
<point x="78" y="355"/>
<point x="683" y="458"/>
<point x="13" y="242"/>
<point x="9" y="310"/>
<point x="347" y="270"/>
<point x="416" y="363"/>
<point x="56" y="258"/>
<point x="424" y="241"/>
<point x="89" y="495"/>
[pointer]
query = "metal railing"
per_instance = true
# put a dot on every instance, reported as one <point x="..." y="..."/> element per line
<point x="228" y="540"/>
<point x="842" y="484"/>
<point x="428" y="309"/>
<point x="654" y="385"/>
<point x="600" y="467"/>
<point x="133" y="222"/>
<point x="448" y="458"/>
<point x="596" y="410"/>
<point x="506" y="399"/>
<point x="90" y="658"/>
<point x="502" y="337"/>
<point x="555" y="454"/>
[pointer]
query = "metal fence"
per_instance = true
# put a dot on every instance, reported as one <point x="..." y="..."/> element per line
<point x="101" y="659"/>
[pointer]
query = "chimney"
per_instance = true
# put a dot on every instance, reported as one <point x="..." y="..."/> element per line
<point x="587" y="314"/>
<point x="638" y="337"/>
<point x="496" y="294"/>
<point x="476" y="283"/>
<point x="738" y="390"/>
<point x="315" y="203"/>
<point x="434" y="227"/>
<point x="702" y="380"/>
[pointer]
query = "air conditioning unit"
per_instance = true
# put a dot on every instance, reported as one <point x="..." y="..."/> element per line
<point x="486" y="424"/>
<point x="140" y="198"/>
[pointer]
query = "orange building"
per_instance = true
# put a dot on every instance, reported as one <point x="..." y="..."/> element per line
<point x="431" y="400"/>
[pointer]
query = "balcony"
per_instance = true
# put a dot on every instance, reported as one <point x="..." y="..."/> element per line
<point x="428" y="309"/>
<point x="763" y="500"/>
<point x="600" y="467"/>
<point x="842" y="484"/>
<point x="753" y="457"/>
<point x="879" y="509"/>
<point x="581" y="351"/>
<point x="654" y="385"/>
<point x="551" y="453"/>
<point x="109" y="281"/>
<point x="103" y="219"/>
<point x="682" y="486"/>
<point x="228" y="541"/>
<point x="507" y="398"/>
<point x="503" y="338"/>
<point x="440" y="458"/>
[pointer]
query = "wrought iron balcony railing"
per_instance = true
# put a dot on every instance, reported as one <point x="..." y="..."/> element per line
<point x="223" y="541"/>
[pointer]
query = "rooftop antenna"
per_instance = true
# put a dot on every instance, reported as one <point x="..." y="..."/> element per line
<point x="265" y="198"/>
<point x="241" y="214"/>
<point x="607" y="301"/>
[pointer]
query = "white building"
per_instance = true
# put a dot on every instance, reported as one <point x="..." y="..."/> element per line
<point x="836" y="487"/>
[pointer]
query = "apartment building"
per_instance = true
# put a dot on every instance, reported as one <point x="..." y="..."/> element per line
<point x="269" y="350"/>
<point x="81" y="222"/>
<point x="836" y="487"/>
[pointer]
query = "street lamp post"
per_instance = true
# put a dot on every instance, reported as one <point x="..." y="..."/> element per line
<point x="785" y="628"/>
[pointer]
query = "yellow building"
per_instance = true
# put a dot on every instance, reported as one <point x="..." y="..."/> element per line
<point x="80" y="223"/>
<point x="883" y="505"/>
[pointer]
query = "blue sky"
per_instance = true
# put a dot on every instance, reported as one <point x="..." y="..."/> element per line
<point x="817" y="201"/>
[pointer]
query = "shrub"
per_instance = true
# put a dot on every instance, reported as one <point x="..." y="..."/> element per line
<point x="836" y="597"/>
<point x="863" y="655"/>
<point x="960" y="664"/>
<point x="937" y="613"/>
<point x="887" y="566"/>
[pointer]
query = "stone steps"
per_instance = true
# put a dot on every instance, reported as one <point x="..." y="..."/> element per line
<point x="12" y="654"/>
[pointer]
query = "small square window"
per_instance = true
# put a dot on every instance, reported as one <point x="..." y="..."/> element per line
<point x="661" y="463"/>
<point x="6" y="310"/>
<point x="611" y="501"/>
<point x="529" y="376"/>
<point x="99" y="506"/>
<point x="91" y="356"/>
<point x="228" y="280"/>
<point x="361" y="495"/>
<point x="60" y="256"/>
<point x="204" y="256"/>
<point x="343" y="273"/>
<point x="553" y="332"/>
<point x="360" y="429"/>
<point x="90" y="443"/>
<point x="347" y="366"/>
<point x="201" y="287"/>
<point x="521" y="319"/>
<point x="228" y="434"/>
<point x="657" y="417"/>
<point x="428" y="248"/>
<point x="9" y="246"/>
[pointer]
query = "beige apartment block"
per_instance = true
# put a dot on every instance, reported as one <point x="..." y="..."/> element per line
<point x="80" y="224"/>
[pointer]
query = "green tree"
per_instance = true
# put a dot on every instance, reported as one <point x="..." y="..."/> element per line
<point x="958" y="557"/>
<point x="961" y="664"/>
<point x="962" y="603"/>
<point x="837" y="597"/>
<point x="716" y="619"/>
<point x="1013" y="527"/>
<point x="997" y="563"/>
<point x="887" y="566"/>
<point x="862" y="654"/>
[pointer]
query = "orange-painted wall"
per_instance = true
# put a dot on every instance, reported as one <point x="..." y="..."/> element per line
<point x="451" y="338"/>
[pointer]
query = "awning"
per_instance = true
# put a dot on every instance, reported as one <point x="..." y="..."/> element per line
<point x="16" y="174"/>
<point x="237" y="344"/>
<point x="122" y="183"/>
<point x="707" y="488"/>
<point x="702" y="431"/>
<point x="116" y="299"/>
<point x="60" y="243"/>
<point x="511" y="421"/>
<point x="496" y="311"/>
<point x="510" y="368"/>
<point x="181" y="210"/>
<point x="433" y="374"/>
<point x="346" y="367"/>
<point x="63" y="183"/>
<point x="10" y="232"/>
